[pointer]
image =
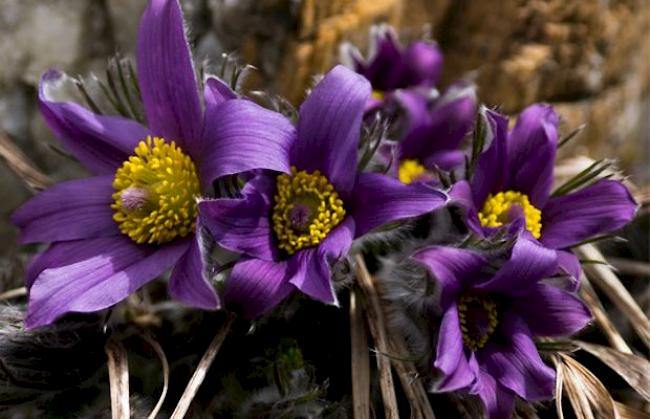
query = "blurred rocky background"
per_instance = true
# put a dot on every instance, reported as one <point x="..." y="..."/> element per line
<point x="590" y="58"/>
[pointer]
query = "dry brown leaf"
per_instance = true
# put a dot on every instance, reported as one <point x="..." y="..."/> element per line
<point x="604" y="278"/>
<point x="587" y="394"/>
<point x="627" y="412"/>
<point x="635" y="370"/>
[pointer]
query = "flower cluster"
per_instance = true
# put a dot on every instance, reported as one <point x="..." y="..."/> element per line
<point x="302" y="198"/>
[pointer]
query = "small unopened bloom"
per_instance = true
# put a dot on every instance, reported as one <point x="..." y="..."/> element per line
<point x="390" y="66"/>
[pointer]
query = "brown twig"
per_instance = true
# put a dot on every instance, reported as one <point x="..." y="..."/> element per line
<point x="608" y="282"/>
<point x="360" y="361"/>
<point x="20" y="164"/>
<point x="602" y="319"/>
<point x="202" y="369"/>
<point x="375" y="318"/>
<point x="118" y="374"/>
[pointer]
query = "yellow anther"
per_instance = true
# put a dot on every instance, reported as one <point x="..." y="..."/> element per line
<point x="155" y="193"/>
<point x="496" y="211"/>
<point x="306" y="209"/>
<point x="472" y="309"/>
<point x="411" y="170"/>
<point x="378" y="94"/>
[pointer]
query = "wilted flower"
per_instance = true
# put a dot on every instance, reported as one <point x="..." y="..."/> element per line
<point x="513" y="180"/>
<point x="136" y="217"/>
<point x="290" y="226"/>
<point x="390" y="66"/>
<point x="489" y="318"/>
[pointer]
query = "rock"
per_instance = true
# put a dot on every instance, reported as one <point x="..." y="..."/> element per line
<point x="37" y="35"/>
<point x="124" y="18"/>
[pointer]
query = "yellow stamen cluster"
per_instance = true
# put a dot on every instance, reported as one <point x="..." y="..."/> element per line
<point x="496" y="211"/>
<point x="410" y="170"/>
<point x="167" y="180"/>
<point x="323" y="209"/>
<point x="378" y="94"/>
<point x="476" y="340"/>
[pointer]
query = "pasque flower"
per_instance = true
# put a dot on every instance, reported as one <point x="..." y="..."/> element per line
<point x="432" y="131"/>
<point x="135" y="218"/>
<point x="513" y="180"/>
<point x="490" y="317"/>
<point x="291" y="224"/>
<point x="391" y="66"/>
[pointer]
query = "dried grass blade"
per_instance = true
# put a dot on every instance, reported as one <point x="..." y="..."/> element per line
<point x="165" y="367"/>
<point x="587" y="394"/>
<point x="635" y="370"/>
<point x="609" y="283"/>
<point x="21" y="165"/>
<point x="202" y="369"/>
<point x="627" y="412"/>
<point x="360" y="361"/>
<point x="602" y="319"/>
<point x="375" y="317"/>
<point x="407" y="373"/>
<point x="118" y="373"/>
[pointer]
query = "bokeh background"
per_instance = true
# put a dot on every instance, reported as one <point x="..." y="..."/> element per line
<point x="590" y="58"/>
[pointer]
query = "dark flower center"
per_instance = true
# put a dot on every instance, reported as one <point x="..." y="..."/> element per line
<point x="478" y="317"/>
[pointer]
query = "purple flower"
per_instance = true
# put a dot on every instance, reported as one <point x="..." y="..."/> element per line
<point x="391" y="66"/>
<point x="513" y="180"/>
<point x="135" y="218"/>
<point x="290" y="226"/>
<point x="489" y="318"/>
<point x="433" y="131"/>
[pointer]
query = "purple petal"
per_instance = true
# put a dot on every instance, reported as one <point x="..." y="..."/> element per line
<point x="549" y="311"/>
<point x="166" y="76"/>
<point x="498" y="400"/>
<point x="217" y="91"/>
<point x="450" y="354"/>
<point x="379" y="199"/>
<point x="311" y="267"/>
<point x="60" y="254"/>
<point x="188" y="282"/>
<point x="569" y="264"/>
<point x="448" y="122"/>
<point x="532" y="146"/>
<point x="528" y="264"/>
<point x="453" y="268"/>
<point x="100" y="143"/>
<point x="76" y="209"/>
<point x="243" y="225"/>
<point x="329" y="127"/>
<point x="423" y="64"/>
<point x="256" y="286"/>
<point x="600" y="208"/>
<point x="244" y="136"/>
<point x="116" y="268"/>
<point x="460" y="195"/>
<point x="518" y="365"/>
<point x="491" y="167"/>
<point x="384" y="68"/>
<point x="446" y="159"/>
